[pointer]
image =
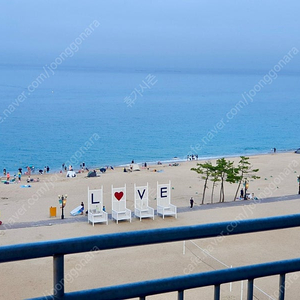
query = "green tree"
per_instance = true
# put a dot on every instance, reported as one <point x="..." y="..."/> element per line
<point x="214" y="177"/>
<point x="245" y="172"/>
<point x="205" y="170"/>
<point x="223" y="168"/>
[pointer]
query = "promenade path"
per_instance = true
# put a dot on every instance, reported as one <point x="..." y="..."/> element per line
<point x="74" y="219"/>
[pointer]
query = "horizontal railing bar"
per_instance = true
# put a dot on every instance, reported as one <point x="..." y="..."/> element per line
<point x="143" y="237"/>
<point x="184" y="282"/>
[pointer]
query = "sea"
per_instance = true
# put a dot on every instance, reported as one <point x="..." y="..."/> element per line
<point x="102" y="117"/>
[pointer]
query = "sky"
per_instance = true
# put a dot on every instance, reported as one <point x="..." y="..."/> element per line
<point x="155" y="34"/>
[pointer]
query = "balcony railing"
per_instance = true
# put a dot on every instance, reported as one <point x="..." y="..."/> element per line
<point x="58" y="249"/>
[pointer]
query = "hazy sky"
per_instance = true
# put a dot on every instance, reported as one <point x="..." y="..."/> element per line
<point x="158" y="34"/>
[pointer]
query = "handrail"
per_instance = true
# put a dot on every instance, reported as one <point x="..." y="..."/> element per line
<point x="184" y="282"/>
<point x="144" y="237"/>
<point x="59" y="248"/>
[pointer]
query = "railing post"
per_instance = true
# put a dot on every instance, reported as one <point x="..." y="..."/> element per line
<point x="217" y="292"/>
<point x="180" y="295"/>
<point x="250" y="290"/>
<point x="143" y="298"/>
<point x="281" y="287"/>
<point x="58" y="276"/>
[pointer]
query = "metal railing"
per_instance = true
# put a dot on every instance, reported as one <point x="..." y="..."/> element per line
<point x="58" y="249"/>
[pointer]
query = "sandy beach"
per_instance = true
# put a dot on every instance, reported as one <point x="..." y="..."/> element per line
<point x="24" y="206"/>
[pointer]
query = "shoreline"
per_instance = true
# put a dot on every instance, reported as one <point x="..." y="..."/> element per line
<point x="154" y="163"/>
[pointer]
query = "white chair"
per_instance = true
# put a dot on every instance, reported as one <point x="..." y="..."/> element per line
<point x="164" y="206"/>
<point x="119" y="210"/>
<point x="95" y="207"/>
<point x="141" y="208"/>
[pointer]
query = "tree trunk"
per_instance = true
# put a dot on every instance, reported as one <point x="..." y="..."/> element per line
<point x="203" y="196"/>
<point x="221" y="190"/>
<point x="212" y="194"/>
<point x="238" y="188"/>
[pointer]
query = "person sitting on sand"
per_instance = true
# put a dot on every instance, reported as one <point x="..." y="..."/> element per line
<point x="28" y="179"/>
<point x="82" y="208"/>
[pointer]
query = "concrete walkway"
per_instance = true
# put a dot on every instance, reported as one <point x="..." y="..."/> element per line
<point x="69" y="219"/>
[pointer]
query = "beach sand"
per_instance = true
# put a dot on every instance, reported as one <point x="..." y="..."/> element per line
<point x="33" y="278"/>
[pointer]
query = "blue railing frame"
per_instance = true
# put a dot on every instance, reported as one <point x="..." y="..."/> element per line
<point x="59" y="248"/>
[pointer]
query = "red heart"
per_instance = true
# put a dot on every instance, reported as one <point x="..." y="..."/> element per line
<point x="119" y="195"/>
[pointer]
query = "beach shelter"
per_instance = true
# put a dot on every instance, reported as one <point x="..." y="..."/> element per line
<point x="141" y="208"/>
<point x="119" y="209"/>
<point x="95" y="207"/>
<point x="164" y="206"/>
<point x="135" y="167"/>
<point x="92" y="174"/>
<point x="71" y="174"/>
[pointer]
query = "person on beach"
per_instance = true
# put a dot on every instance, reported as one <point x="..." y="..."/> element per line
<point x="82" y="208"/>
<point x="4" y="172"/>
<point x="192" y="202"/>
<point x="242" y="194"/>
<point x="48" y="169"/>
<point x="20" y="170"/>
<point x="28" y="170"/>
<point x="7" y="176"/>
<point x="19" y="175"/>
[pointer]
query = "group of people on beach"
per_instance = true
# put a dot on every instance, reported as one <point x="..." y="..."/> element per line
<point x="192" y="157"/>
<point x="30" y="170"/>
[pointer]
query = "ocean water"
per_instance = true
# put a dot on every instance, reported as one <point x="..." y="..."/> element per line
<point x="84" y="114"/>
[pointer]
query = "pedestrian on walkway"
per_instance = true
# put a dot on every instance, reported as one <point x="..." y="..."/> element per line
<point x="192" y="202"/>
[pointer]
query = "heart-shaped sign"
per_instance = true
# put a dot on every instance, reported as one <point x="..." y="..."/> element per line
<point x="119" y="195"/>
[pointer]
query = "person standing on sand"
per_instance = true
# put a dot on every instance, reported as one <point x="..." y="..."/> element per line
<point x="192" y="202"/>
<point x="7" y="176"/>
<point x="19" y="175"/>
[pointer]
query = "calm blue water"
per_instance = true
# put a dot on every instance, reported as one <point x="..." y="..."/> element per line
<point x="52" y="125"/>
